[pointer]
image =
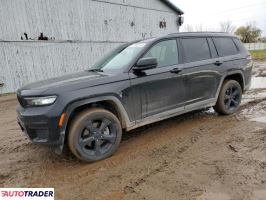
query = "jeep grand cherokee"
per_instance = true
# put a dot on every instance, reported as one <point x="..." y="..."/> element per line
<point x="136" y="84"/>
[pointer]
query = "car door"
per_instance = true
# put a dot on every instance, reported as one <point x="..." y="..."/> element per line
<point x="227" y="51"/>
<point x="201" y="70"/>
<point x="160" y="89"/>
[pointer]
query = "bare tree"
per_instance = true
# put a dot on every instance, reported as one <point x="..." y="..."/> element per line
<point x="200" y="28"/>
<point x="227" y="27"/>
<point x="197" y="28"/>
<point x="188" y="28"/>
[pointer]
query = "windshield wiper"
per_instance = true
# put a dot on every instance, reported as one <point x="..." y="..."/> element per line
<point x="95" y="70"/>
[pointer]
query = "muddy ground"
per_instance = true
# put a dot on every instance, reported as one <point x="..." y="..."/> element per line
<point x="199" y="155"/>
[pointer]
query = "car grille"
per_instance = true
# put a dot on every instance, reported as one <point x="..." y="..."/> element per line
<point x="21" y="100"/>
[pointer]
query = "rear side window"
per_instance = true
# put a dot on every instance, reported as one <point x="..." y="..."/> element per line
<point x="225" y="46"/>
<point x="196" y="49"/>
<point x="165" y="52"/>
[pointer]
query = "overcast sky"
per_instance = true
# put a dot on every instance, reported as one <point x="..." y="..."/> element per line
<point x="210" y="13"/>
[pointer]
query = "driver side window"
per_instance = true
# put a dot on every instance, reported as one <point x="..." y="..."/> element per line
<point x="165" y="52"/>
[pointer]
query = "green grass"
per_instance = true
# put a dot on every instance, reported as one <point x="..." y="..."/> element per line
<point x="258" y="54"/>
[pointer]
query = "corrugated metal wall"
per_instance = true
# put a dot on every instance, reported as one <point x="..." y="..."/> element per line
<point x="82" y="31"/>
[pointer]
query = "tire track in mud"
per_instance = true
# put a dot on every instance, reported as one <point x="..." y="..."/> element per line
<point x="182" y="146"/>
<point x="220" y="171"/>
<point x="162" y="152"/>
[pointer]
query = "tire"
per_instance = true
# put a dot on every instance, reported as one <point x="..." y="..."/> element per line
<point x="229" y="99"/>
<point x="94" y="134"/>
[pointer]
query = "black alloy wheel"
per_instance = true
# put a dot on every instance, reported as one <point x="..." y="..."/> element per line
<point x="230" y="97"/>
<point x="94" y="135"/>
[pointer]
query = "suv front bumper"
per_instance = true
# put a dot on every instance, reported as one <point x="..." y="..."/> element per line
<point x="39" y="125"/>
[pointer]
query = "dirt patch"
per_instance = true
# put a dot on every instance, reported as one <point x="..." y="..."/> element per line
<point x="200" y="155"/>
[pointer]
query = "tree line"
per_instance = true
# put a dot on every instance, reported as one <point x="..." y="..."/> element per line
<point x="248" y="33"/>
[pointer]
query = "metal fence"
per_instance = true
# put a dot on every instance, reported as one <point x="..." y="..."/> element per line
<point x="255" y="46"/>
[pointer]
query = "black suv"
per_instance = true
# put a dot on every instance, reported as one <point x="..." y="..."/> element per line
<point x="136" y="84"/>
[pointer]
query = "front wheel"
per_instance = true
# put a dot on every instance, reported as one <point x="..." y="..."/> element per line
<point x="94" y="134"/>
<point x="229" y="99"/>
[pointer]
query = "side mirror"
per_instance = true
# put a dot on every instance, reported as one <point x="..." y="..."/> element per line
<point x="146" y="63"/>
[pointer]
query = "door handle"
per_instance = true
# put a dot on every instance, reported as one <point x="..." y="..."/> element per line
<point x="176" y="70"/>
<point x="218" y="63"/>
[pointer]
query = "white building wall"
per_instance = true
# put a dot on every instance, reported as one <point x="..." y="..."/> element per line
<point x="83" y="30"/>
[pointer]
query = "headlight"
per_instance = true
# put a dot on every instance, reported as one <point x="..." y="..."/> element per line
<point x="40" y="101"/>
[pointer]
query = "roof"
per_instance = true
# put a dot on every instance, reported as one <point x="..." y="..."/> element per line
<point x="173" y="7"/>
<point x="188" y="34"/>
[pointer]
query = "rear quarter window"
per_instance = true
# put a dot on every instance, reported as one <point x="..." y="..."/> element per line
<point x="240" y="46"/>
<point x="195" y="49"/>
<point x="225" y="46"/>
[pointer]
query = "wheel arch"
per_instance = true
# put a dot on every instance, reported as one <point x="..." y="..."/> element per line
<point x="236" y="75"/>
<point x="111" y="103"/>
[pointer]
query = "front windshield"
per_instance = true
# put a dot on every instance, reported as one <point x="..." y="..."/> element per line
<point x="119" y="57"/>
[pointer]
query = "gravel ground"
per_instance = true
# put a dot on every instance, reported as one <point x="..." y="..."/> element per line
<point x="200" y="155"/>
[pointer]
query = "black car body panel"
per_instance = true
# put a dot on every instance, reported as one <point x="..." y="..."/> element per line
<point x="139" y="98"/>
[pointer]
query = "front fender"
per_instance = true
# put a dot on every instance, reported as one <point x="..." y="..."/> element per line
<point x="73" y="105"/>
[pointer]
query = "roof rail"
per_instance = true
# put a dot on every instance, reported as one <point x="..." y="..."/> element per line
<point x="197" y="32"/>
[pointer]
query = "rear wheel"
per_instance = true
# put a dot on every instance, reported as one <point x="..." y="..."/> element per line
<point x="94" y="134"/>
<point x="229" y="98"/>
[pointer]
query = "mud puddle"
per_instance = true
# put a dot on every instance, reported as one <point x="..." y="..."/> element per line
<point x="255" y="113"/>
<point x="258" y="82"/>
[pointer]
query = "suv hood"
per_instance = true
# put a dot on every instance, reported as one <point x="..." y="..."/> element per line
<point x="67" y="81"/>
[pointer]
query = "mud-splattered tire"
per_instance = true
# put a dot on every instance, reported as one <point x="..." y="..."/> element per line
<point x="94" y="134"/>
<point x="229" y="99"/>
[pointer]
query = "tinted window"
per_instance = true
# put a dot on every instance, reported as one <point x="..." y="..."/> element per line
<point x="196" y="49"/>
<point x="240" y="46"/>
<point x="166" y="53"/>
<point x="225" y="46"/>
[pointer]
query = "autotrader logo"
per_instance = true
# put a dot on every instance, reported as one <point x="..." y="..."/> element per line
<point x="26" y="193"/>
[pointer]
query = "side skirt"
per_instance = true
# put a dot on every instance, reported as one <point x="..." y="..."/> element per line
<point x="173" y="113"/>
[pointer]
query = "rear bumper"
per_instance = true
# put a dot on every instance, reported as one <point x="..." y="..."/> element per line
<point x="39" y="125"/>
<point x="248" y="76"/>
